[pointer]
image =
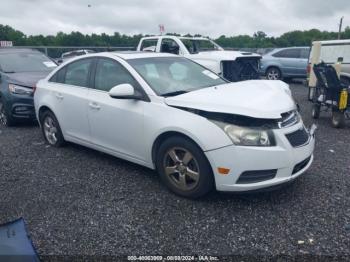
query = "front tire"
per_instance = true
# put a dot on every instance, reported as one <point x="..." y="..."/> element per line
<point x="316" y="109"/>
<point x="5" y="118"/>
<point x="183" y="167"/>
<point x="273" y="73"/>
<point x="51" y="129"/>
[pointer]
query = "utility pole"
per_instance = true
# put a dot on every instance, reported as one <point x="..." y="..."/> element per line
<point x="340" y="26"/>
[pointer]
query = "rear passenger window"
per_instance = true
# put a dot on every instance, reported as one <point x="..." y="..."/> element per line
<point x="58" y="77"/>
<point x="305" y="53"/>
<point x="110" y="73"/>
<point x="288" y="53"/>
<point x="149" y="45"/>
<point x="77" y="73"/>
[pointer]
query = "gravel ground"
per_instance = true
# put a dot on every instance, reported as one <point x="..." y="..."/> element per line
<point x="78" y="201"/>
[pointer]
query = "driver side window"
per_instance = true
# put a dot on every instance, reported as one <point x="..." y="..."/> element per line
<point x="169" y="46"/>
<point x="110" y="73"/>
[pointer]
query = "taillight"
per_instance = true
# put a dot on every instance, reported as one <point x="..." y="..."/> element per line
<point x="308" y="69"/>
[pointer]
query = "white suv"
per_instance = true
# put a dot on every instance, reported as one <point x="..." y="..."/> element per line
<point x="168" y="113"/>
<point x="232" y="65"/>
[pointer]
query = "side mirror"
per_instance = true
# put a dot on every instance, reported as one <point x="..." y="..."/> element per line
<point x="124" y="91"/>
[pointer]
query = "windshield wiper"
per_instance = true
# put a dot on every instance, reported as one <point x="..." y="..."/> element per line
<point x="175" y="93"/>
<point x="9" y="72"/>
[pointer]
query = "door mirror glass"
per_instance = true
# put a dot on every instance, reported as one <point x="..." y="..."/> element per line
<point x="123" y="91"/>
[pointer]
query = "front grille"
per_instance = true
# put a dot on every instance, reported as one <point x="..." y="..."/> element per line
<point x="243" y="68"/>
<point x="256" y="176"/>
<point x="298" y="138"/>
<point x="301" y="165"/>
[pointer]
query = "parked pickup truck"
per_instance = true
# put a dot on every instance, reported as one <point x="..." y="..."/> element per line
<point x="232" y="65"/>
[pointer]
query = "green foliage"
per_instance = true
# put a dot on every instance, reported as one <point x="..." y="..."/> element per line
<point x="258" y="40"/>
<point x="293" y="38"/>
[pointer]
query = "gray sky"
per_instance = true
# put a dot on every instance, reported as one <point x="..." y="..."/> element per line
<point x="206" y="17"/>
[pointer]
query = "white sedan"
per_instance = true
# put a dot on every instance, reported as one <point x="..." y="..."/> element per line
<point x="171" y="114"/>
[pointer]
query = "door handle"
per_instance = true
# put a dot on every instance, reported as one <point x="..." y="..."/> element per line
<point x="59" y="96"/>
<point x="94" y="105"/>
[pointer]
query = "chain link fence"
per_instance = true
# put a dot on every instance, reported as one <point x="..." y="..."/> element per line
<point x="55" y="52"/>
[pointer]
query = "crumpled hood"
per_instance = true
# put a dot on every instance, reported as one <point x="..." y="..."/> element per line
<point x="28" y="79"/>
<point x="254" y="98"/>
<point x="221" y="55"/>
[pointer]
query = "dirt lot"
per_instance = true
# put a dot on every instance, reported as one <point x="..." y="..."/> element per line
<point x="78" y="201"/>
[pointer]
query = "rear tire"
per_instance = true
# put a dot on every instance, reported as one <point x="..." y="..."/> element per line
<point x="338" y="119"/>
<point x="183" y="167"/>
<point x="316" y="109"/>
<point x="345" y="80"/>
<point x="51" y="129"/>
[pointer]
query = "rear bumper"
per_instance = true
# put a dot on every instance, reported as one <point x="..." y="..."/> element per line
<point x="284" y="162"/>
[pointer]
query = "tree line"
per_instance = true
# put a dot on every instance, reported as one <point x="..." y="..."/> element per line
<point x="257" y="40"/>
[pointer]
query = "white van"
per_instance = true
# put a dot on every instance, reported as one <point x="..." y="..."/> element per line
<point x="329" y="52"/>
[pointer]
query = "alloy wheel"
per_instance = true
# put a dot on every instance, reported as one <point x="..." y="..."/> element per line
<point x="3" y="117"/>
<point x="50" y="130"/>
<point x="182" y="168"/>
<point x="273" y="74"/>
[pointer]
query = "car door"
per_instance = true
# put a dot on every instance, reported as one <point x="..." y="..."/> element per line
<point x="116" y="124"/>
<point x="303" y="61"/>
<point x="69" y="90"/>
<point x="289" y="61"/>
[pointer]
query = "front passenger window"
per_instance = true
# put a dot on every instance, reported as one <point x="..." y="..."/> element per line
<point x="169" y="46"/>
<point x="110" y="73"/>
<point x="305" y="52"/>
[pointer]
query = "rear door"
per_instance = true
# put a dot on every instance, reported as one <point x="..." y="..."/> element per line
<point x="69" y="96"/>
<point x="303" y="61"/>
<point x="289" y="61"/>
<point x="116" y="124"/>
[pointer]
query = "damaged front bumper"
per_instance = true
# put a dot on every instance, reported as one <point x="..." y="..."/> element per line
<point x="253" y="168"/>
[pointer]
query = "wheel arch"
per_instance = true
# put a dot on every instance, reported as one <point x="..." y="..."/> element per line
<point x="41" y="110"/>
<point x="165" y="135"/>
<point x="345" y="77"/>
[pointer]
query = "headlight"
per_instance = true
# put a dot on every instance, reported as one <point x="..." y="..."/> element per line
<point x="244" y="136"/>
<point x="21" y="90"/>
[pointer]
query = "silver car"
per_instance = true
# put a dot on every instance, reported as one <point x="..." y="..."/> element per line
<point x="285" y="63"/>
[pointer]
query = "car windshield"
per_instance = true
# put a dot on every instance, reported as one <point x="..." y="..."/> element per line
<point x="199" y="45"/>
<point x="174" y="75"/>
<point x="15" y="62"/>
